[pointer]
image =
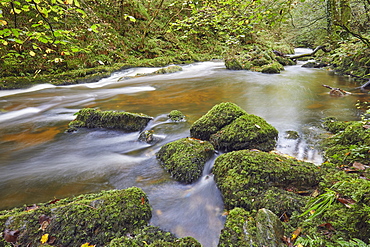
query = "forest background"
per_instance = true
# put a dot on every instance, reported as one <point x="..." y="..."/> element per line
<point x="73" y="41"/>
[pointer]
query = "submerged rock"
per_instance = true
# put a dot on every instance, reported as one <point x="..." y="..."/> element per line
<point x="184" y="159"/>
<point x="254" y="180"/>
<point x="228" y="128"/>
<point x="176" y="116"/>
<point x="95" y="118"/>
<point x="91" y="218"/>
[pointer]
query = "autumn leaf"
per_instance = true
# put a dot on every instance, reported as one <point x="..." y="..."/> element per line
<point x="296" y="233"/>
<point x="32" y="207"/>
<point x="44" y="238"/>
<point x="358" y="166"/>
<point x="11" y="236"/>
<point x="347" y="202"/>
<point x="142" y="200"/>
<point x="328" y="226"/>
<point x="87" y="245"/>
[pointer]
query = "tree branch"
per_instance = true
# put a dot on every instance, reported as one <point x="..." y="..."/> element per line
<point x="47" y="21"/>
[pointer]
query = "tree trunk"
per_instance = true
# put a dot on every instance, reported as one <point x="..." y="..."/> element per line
<point x="320" y="47"/>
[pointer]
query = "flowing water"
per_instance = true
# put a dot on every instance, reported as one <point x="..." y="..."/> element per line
<point x="39" y="161"/>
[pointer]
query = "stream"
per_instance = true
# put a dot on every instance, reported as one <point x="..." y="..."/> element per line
<point x="39" y="161"/>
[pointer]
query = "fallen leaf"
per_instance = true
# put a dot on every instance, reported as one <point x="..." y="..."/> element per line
<point x="44" y="238"/>
<point x="346" y="202"/>
<point x="87" y="245"/>
<point x="54" y="201"/>
<point x="366" y="126"/>
<point x="328" y="226"/>
<point x="315" y="193"/>
<point x="11" y="236"/>
<point x="296" y="233"/>
<point x="358" y="166"/>
<point x="142" y="200"/>
<point x="52" y="240"/>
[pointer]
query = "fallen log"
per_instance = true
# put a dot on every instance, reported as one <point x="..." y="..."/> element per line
<point x="336" y="91"/>
<point x="367" y="84"/>
<point x="320" y="47"/>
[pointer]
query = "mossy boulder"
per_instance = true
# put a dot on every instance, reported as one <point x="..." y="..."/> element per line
<point x="272" y="68"/>
<point x="95" y="118"/>
<point x="254" y="180"/>
<point x="351" y="142"/>
<point x="91" y="218"/>
<point x="176" y="116"/>
<point x="228" y="128"/>
<point x="184" y="159"/>
<point x="168" y="70"/>
<point x="250" y="229"/>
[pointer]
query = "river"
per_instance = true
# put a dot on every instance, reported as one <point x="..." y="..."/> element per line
<point x="39" y="161"/>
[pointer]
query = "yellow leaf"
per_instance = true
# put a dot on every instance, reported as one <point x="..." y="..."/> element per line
<point x="44" y="238"/>
<point x="87" y="245"/>
<point x="4" y="23"/>
<point x="300" y="245"/>
<point x="32" y="53"/>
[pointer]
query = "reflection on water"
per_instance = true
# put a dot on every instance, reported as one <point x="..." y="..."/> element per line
<point x="40" y="161"/>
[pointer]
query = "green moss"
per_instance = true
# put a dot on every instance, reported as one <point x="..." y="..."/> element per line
<point x="219" y="116"/>
<point x="351" y="143"/>
<point x="252" y="180"/>
<point x="184" y="159"/>
<point x="239" y="229"/>
<point x="94" y="218"/>
<point x="95" y="118"/>
<point x="176" y="115"/>
<point x="334" y="126"/>
<point x="246" y="132"/>
<point x="168" y="70"/>
<point x="272" y="68"/>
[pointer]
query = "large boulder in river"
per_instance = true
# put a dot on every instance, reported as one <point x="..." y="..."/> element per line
<point x="90" y="218"/>
<point x="184" y="159"/>
<point x="254" y="180"/>
<point x="95" y="118"/>
<point x="229" y="128"/>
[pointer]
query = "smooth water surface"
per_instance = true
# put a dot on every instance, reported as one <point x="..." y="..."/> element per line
<point x="39" y="161"/>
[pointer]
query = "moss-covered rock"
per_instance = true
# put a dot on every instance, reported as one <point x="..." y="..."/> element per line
<point x="215" y="119"/>
<point x="228" y="128"/>
<point x="153" y="236"/>
<point x="168" y="70"/>
<point x="246" y="132"/>
<point x="176" y="116"/>
<point x="272" y="68"/>
<point x="239" y="230"/>
<point x="350" y="144"/>
<point x="243" y="228"/>
<point x="92" y="218"/>
<point x="254" y="180"/>
<point x="184" y="159"/>
<point x="95" y="118"/>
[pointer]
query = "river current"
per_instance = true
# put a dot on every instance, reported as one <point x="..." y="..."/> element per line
<point x="39" y="161"/>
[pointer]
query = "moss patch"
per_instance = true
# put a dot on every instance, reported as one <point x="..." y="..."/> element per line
<point x="228" y="128"/>
<point x="94" y="218"/>
<point x="350" y="144"/>
<point x="254" y="180"/>
<point x="95" y="118"/>
<point x="184" y="159"/>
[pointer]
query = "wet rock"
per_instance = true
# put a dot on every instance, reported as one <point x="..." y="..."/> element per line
<point x="95" y="118"/>
<point x="147" y="136"/>
<point x="228" y="128"/>
<point x="270" y="230"/>
<point x="254" y="180"/>
<point x="291" y="134"/>
<point x="184" y="159"/>
<point x="176" y="116"/>
<point x="168" y="70"/>
<point x="272" y="68"/>
<point x="91" y="218"/>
